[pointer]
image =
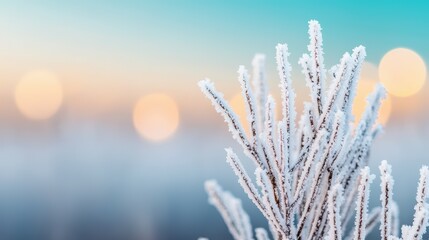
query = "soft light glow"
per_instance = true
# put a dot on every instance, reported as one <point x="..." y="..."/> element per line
<point x="369" y="71"/>
<point x="237" y="105"/>
<point x="156" y="117"/>
<point x="39" y="95"/>
<point x="402" y="71"/>
<point x="364" y="89"/>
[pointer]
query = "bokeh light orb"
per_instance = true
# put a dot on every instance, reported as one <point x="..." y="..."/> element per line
<point x="364" y="89"/>
<point x="402" y="71"/>
<point x="39" y="95"/>
<point x="237" y="104"/>
<point x="156" y="117"/>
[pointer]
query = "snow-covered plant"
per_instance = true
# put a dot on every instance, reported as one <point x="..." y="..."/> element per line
<point x="312" y="177"/>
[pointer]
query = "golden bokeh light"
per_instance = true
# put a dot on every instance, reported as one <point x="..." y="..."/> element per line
<point x="364" y="89"/>
<point x="39" y="95"/>
<point x="156" y="117"/>
<point x="369" y="71"/>
<point x="402" y="71"/>
<point x="237" y="105"/>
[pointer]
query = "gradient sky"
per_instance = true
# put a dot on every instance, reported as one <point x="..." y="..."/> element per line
<point x="108" y="53"/>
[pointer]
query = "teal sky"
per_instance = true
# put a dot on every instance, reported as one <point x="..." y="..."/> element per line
<point x="66" y="175"/>
<point x="169" y="45"/>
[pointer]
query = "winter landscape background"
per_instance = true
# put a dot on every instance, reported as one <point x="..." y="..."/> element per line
<point x="88" y="171"/>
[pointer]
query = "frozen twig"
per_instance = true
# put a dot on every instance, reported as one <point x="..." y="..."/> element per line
<point x="232" y="213"/>
<point x="310" y="175"/>
<point x="334" y="203"/>
<point x="386" y="200"/>
<point x="362" y="204"/>
<point x="261" y="234"/>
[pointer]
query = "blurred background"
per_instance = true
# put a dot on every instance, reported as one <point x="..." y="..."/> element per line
<point x="104" y="133"/>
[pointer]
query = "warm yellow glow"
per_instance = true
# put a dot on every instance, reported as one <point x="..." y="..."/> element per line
<point x="369" y="71"/>
<point x="237" y="105"/>
<point x="156" y="117"/>
<point x="39" y="95"/>
<point x="366" y="87"/>
<point x="85" y="97"/>
<point x="402" y="71"/>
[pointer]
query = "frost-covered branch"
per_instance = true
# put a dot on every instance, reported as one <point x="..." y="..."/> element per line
<point x="261" y="234"/>
<point x="232" y="213"/>
<point x="362" y="204"/>
<point x="386" y="200"/>
<point x="421" y="215"/>
<point x="373" y="219"/>
<point x="260" y="86"/>
<point x="310" y="175"/>
<point x="335" y="201"/>
<point x="247" y="92"/>
<point x="288" y="99"/>
<point x="244" y="180"/>
<point x="222" y="107"/>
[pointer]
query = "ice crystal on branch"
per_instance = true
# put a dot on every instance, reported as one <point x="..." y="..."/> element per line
<point x="310" y="178"/>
